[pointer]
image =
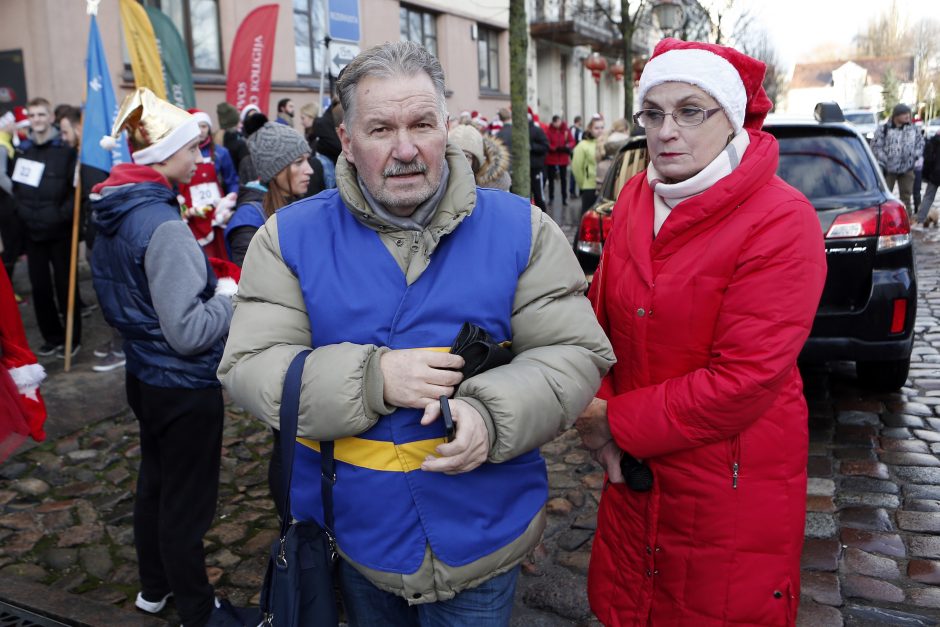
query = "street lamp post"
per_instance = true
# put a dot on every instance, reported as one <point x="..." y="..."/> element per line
<point x="668" y="15"/>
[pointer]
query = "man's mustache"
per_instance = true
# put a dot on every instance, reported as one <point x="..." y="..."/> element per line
<point x="401" y="169"/>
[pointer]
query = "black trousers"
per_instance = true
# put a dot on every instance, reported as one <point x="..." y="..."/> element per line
<point x="537" y="177"/>
<point x="48" y="265"/>
<point x="12" y="233"/>
<point x="177" y="488"/>
<point x="559" y="173"/>
<point x="588" y="196"/>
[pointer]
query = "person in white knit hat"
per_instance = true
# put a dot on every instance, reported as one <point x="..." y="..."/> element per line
<point x="158" y="289"/>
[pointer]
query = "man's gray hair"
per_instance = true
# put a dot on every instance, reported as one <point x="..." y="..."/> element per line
<point x="390" y="60"/>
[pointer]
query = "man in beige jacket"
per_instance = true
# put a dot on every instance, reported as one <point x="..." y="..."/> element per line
<point x="378" y="277"/>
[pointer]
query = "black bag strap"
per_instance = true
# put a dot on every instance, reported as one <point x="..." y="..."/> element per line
<point x="290" y="407"/>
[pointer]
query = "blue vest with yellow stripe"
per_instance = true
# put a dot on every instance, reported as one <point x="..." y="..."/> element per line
<point x="387" y="510"/>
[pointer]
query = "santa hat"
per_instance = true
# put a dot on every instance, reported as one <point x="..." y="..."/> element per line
<point x="157" y="129"/>
<point x="730" y="77"/>
<point x="246" y="111"/>
<point x="18" y="364"/>
<point x="201" y="116"/>
<point x="21" y="117"/>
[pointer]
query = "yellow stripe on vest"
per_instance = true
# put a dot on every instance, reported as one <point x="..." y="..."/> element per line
<point x="377" y="455"/>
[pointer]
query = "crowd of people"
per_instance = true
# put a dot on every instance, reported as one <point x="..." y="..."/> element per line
<point x="385" y="232"/>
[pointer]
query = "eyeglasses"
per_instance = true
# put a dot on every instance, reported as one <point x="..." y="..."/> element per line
<point x="683" y="116"/>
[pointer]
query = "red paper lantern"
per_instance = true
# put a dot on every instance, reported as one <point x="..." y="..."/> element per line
<point x="597" y="64"/>
<point x="617" y="71"/>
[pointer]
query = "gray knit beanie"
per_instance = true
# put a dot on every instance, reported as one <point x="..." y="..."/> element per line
<point x="273" y="147"/>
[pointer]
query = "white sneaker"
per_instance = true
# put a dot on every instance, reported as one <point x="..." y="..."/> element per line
<point x="151" y="607"/>
<point x="112" y="362"/>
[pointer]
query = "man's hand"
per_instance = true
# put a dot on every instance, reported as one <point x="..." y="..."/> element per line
<point x="414" y="377"/>
<point x="592" y="425"/>
<point x="609" y="456"/>
<point x="469" y="448"/>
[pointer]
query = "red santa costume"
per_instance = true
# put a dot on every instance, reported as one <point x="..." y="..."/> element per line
<point x="22" y="411"/>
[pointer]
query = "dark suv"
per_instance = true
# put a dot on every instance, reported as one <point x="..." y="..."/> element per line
<point x="868" y="305"/>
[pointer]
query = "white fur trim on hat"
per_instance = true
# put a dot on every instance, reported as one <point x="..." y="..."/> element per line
<point x="704" y="69"/>
<point x="202" y="116"/>
<point x="226" y="286"/>
<point x="166" y="147"/>
<point x="27" y="378"/>
<point x="248" y="109"/>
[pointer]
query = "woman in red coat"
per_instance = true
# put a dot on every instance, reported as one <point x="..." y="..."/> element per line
<point x="707" y="289"/>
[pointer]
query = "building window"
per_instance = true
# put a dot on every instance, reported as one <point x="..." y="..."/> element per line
<point x="419" y="27"/>
<point x="488" y="57"/>
<point x="308" y="36"/>
<point x="198" y="23"/>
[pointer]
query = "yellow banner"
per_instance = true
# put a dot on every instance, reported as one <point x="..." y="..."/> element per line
<point x="142" y="46"/>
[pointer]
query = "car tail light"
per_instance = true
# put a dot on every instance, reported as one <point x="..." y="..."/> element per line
<point x="895" y="228"/>
<point x="889" y="223"/>
<point x="592" y="233"/>
<point x="861" y="223"/>
<point x="899" y="315"/>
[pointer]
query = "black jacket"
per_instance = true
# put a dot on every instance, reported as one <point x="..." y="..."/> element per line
<point x="328" y="143"/>
<point x="236" y="146"/>
<point x="46" y="209"/>
<point x="538" y="144"/>
<point x="932" y="160"/>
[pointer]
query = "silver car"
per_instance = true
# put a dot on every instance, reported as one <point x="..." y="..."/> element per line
<point x="865" y="120"/>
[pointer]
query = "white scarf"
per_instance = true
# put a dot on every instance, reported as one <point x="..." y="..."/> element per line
<point x="667" y="195"/>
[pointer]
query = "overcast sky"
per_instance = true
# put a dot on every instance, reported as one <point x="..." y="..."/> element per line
<point x="798" y="27"/>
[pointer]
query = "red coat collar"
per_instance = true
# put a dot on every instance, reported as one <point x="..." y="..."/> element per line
<point x="127" y="173"/>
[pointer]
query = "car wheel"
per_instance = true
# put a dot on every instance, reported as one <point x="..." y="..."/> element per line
<point x="883" y="376"/>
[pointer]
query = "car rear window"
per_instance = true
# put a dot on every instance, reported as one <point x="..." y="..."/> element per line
<point x="824" y="166"/>
<point x="861" y="118"/>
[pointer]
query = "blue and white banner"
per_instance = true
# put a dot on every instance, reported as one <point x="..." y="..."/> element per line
<point x="101" y="108"/>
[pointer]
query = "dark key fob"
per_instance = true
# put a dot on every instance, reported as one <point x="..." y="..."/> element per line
<point x="450" y="431"/>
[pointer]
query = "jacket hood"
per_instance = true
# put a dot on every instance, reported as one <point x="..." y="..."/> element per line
<point x="456" y="204"/>
<point x="128" y="187"/>
<point x="496" y="163"/>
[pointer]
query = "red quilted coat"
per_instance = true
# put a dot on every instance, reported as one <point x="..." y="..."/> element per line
<point x="707" y="321"/>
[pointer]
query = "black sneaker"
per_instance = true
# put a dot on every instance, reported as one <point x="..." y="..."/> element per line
<point x="60" y="352"/>
<point x="49" y="348"/>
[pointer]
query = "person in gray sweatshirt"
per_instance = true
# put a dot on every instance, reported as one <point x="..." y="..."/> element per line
<point x="158" y="289"/>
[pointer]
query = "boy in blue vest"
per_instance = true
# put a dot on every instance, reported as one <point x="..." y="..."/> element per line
<point x="377" y="276"/>
<point x="157" y="289"/>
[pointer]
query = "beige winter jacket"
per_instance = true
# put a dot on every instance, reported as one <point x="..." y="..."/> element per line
<point x="561" y="355"/>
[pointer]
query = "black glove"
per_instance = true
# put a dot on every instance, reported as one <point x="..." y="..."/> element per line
<point x="479" y="351"/>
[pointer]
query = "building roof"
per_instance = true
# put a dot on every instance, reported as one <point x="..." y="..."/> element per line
<point x="819" y="74"/>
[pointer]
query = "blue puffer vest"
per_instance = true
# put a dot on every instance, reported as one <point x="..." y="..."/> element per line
<point x="126" y="218"/>
<point x="387" y="510"/>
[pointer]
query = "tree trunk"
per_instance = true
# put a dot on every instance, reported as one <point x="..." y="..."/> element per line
<point x="626" y="30"/>
<point x="518" y="90"/>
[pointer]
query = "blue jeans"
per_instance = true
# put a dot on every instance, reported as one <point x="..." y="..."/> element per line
<point x="487" y="605"/>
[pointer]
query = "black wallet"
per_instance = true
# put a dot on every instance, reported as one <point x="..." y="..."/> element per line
<point x="479" y="351"/>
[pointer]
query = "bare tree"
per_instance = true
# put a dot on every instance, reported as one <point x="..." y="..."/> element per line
<point x="755" y="41"/>
<point x="885" y="35"/>
<point x="925" y="40"/>
<point x="624" y="26"/>
<point x="518" y="88"/>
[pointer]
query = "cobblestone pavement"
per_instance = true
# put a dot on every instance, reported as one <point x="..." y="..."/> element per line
<point x="872" y="553"/>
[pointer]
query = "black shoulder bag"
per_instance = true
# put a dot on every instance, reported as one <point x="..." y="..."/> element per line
<point x="298" y="583"/>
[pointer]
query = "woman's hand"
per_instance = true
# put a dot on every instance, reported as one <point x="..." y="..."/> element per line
<point x="609" y="456"/>
<point x="592" y="425"/>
